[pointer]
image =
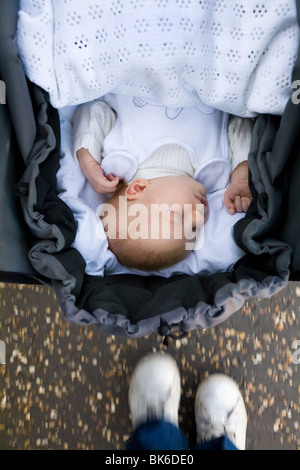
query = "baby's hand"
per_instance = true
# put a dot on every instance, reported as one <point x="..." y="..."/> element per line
<point x="94" y="173"/>
<point x="238" y="196"/>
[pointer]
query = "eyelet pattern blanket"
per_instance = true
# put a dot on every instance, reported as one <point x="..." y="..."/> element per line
<point x="236" y="56"/>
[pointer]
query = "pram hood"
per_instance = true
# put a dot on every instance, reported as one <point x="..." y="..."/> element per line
<point x="44" y="229"/>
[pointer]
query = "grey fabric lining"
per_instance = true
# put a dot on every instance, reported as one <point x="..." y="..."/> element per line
<point x="11" y="71"/>
<point x="228" y="301"/>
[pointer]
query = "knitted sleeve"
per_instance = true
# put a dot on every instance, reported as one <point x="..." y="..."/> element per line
<point x="91" y="123"/>
<point x="239" y="137"/>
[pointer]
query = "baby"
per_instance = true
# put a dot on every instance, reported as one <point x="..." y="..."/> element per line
<point x="160" y="164"/>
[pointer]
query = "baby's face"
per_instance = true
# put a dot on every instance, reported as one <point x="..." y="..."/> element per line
<point x="181" y="202"/>
<point x="181" y="190"/>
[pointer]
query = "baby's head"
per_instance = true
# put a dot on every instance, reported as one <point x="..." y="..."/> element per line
<point x="154" y="224"/>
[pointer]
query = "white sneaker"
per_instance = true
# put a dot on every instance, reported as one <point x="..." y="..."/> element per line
<point x="155" y="389"/>
<point x="220" y="410"/>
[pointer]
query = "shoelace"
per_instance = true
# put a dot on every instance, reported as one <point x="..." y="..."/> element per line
<point x="219" y="426"/>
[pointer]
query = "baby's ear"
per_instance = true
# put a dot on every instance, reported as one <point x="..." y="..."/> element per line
<point x="136" y="188"/>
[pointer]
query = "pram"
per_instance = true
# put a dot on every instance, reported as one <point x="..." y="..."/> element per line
<point x="37" y="228"/>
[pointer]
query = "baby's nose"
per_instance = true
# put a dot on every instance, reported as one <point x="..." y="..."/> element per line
<point x="198" y="216"/>
<point x="194" y="219"/>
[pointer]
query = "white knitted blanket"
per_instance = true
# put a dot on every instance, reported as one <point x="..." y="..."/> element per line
<point x="236" y="56"/>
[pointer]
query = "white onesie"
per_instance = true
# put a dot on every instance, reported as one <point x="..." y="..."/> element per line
<point x="141" y="128"/>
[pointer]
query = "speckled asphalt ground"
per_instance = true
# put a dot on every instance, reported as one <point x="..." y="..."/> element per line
<point x="66" y="387"/>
